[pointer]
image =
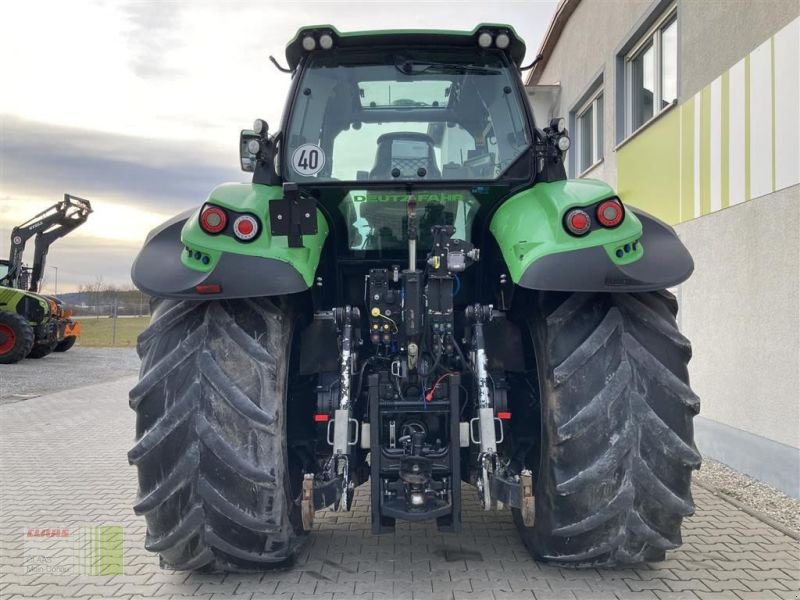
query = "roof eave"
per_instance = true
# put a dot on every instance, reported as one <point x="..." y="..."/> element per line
<point x="563" y="12"/>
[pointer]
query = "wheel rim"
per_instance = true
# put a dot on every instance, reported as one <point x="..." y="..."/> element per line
<point x="8" y="339"/>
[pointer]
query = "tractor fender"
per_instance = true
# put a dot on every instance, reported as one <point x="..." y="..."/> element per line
<point x="641" y="254"/>
<point x="179" y="260"/>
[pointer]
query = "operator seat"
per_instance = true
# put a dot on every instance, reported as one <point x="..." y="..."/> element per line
<point x="407" y="151"/>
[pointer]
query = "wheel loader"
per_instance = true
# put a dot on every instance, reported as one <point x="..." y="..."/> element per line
<point x="32" y="324"/>
<point x="411" y="295"/>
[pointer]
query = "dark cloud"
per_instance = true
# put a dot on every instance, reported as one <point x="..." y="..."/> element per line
<point x="44" y="161"/>
<point x="47" y="160"/>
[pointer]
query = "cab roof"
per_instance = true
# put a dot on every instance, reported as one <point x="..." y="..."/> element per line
<point x="404" y="37"/>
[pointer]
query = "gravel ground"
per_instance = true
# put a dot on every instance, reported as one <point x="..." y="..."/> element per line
<point x="750" y="492"/>
<point x="65" y="370"/>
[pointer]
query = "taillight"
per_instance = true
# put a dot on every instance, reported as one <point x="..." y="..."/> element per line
<point x="610" y="213"/>
<point x="213" y="219"/>
<point x="246" y="227"/>
<point x="208" y="288"/>
<point x="577" y="222"/>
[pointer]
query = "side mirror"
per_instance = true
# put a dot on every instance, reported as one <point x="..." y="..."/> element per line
<point x="250" y="144"/>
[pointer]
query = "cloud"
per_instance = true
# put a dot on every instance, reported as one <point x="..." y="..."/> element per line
<point x="133" y="184"/>
<point x="153" y="35"/>
<point x="47" y="161"/>
<point x="81" y="261"/>
<point x="145" y="100"/>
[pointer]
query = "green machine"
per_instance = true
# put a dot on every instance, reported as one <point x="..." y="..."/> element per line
<point x="31" y="324"/>
<point x="410" y="294"/>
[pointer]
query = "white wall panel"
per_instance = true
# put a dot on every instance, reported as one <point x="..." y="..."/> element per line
<point x="715" y="141"/>
<point x="787" y="105"/>
<point x="736" y="123"/>
<point x="761" y="120"/>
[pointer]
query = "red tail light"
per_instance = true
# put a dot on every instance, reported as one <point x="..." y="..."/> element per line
<point x="208" y="288"/>
<point x="610" y="213"/>
<point x="577" y="222"/>
<point x="213" y="219"/>
<point x="321" y="418"/>
<point x="246" y="228"/>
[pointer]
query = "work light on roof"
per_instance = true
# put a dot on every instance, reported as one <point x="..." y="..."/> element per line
<point x="326" y="41"/>
<point x="259" y="126"/>
<point x="485" y="39"/>
<point x="502" y="41"/>
<point x="309" y="43"/>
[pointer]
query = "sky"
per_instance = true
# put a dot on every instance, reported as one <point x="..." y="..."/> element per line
<point x="137" y="105"/>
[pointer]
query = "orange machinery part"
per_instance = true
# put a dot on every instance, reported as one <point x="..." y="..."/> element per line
<point x="73" y="328"/>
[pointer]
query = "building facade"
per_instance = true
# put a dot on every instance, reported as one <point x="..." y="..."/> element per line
<point x="691" y="109"/>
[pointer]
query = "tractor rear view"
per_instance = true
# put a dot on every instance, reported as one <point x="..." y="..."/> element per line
<point x="411" y="294"/>
<point x="31" y="324"/>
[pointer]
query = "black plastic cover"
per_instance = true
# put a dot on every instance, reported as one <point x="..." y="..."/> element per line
<point x="666" y="262"/>
<point x="158" y="270"/>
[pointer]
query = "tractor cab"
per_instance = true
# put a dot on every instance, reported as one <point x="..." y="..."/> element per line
<point x="377" y="119"/>
<point x="404" y="115"/>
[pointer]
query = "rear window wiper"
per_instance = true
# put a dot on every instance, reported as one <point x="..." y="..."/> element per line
<point x="413" y="67"/>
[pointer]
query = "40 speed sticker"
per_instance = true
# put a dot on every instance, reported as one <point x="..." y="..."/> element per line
<point x="308" y="159"/>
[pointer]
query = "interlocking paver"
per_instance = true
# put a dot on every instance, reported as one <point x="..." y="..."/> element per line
<point x="74" y="473"/>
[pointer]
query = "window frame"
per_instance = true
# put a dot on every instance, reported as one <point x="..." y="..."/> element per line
<point x="591" y="103"/>
<point x="652" y="35"/>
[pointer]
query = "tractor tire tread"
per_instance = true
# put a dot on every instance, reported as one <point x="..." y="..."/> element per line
<point x="614" y="478"/>
<point x="213" y="480"/>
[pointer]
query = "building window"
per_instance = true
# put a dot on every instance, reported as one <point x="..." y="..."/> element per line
<point x="589" y="132"/>
<point x="651" y="72"/>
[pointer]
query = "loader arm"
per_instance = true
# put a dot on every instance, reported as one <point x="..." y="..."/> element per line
<point x="48" y="226"/>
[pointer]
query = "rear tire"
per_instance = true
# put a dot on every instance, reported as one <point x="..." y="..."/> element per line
<point x="16" y="338"/>
<point x="41" y="350"/>
<point x="65" y="344"/>
<point x="211" y="450"/>
<point x="617" y="449"/>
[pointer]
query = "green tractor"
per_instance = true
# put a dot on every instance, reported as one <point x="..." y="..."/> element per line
<point x="411" y="293"/>
<point x="27" y="325"/>
<point x="31" y="324"/>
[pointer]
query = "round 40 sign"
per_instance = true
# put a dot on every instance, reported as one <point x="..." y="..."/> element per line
<point x="308" y="159"/>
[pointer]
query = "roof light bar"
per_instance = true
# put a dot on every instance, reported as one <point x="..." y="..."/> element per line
<point x="309" y="43"/>
<point x="502" y="41"/>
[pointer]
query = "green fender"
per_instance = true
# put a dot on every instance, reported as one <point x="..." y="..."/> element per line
<point x="641" y="254"/>
<point x="35" y="308"/>
<point x="180" y="260"/>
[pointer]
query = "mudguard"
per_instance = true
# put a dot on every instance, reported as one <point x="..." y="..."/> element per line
<point x="34" y="307"/>
<point x="641" y="254"/>
<point x="180" y="260"/>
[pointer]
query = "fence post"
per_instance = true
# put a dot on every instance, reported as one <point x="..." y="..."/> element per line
<point x="114" y="323"/>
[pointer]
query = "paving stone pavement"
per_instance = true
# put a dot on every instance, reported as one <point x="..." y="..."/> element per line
<point x="63" y="466"/>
